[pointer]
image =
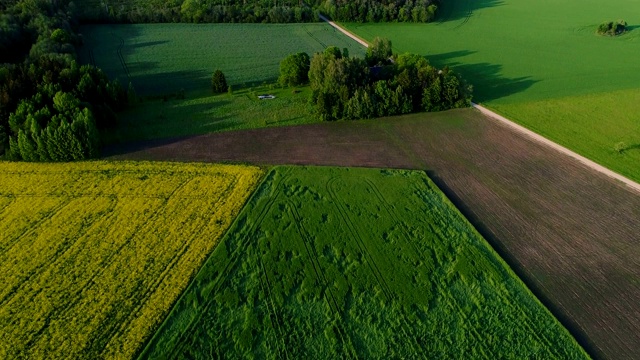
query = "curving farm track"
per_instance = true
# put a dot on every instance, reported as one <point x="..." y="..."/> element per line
<point x="571" y="232"/>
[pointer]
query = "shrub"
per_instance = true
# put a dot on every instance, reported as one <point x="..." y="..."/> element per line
<point x="612" y="28"/>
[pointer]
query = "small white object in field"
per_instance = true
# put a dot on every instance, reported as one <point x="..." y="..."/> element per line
<point x="263" y="97"/>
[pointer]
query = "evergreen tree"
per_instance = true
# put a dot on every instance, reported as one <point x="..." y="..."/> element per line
<point x="219" y="82"/>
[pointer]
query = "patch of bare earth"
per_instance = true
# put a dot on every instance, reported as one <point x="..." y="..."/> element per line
<point x="571" y="233"/>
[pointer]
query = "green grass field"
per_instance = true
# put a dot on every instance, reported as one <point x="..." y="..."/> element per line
<point x="202" y="113"/>
<point x="164" y="58"/>
<point x="340" y="263"/>
<point x="541" y="64"/>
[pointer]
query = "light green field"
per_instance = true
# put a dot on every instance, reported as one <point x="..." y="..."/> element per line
<point x="541" y="64"/>
<point x="164" y="58"/>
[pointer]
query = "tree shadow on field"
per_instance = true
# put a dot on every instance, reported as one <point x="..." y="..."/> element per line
<point x="170" y="82"/>
<point x="487" y="79"/>
<point x="440" y="60"/>
<point x="462" y="9"/>
<point x="488" y="82"/>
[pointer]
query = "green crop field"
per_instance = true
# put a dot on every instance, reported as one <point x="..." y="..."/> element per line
<point x="158" y="60"/>
<point x="340" y="263"/>
<point x="164" y="58"/>
<point x="520" y="55"/>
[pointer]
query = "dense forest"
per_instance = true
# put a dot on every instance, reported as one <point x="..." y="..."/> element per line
<point x="255" y="11"/>
<point x="51" y="108"/>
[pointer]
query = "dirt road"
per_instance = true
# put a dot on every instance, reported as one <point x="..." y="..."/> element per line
<point x="344" y="31"/>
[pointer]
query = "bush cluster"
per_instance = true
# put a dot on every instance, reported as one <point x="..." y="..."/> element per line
<point x="60" y="121"/>
<point x="612" y="28"/>
<point x="381" y="85"/>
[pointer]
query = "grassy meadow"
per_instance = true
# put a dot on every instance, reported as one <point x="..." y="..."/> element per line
<point x="93" y="255"/>
<point x="200" y="113"/>
<point x="346" y="262"/>
<point x="542" y="64"/>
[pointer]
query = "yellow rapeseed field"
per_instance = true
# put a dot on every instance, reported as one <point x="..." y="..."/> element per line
<point x="93" y="255"/>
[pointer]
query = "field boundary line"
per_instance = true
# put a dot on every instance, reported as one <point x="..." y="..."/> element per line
<point x="344" y="31"/>
<point x="222" y="277"/>
<point x="543" y="140"/>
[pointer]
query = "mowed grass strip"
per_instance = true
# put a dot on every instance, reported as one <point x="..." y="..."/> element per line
<point x="94" y="254"/>
<point x="366" y="263"/>
<point x="164" y="58"/>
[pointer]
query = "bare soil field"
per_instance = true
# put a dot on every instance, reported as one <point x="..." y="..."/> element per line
<point x="571" y="233"/>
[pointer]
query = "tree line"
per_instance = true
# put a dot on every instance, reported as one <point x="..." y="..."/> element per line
<point x="381" y="84"/>
<point x="257" y="11"/>
<point x="51" y="108"/>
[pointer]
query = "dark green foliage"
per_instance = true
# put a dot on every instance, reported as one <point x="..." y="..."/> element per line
<point x="294" y="69"/>
<point x="255" y="11"/>
<point x="379" y="11"/>
<point x="379" y="52"/>
<point x="197" y="11"/>
<point x="219" y="83"/>
<point x="50" y="107"/>
<point x="327" y="263"/>
<point x="350" y="88"/>
<point x="612" y="28"/>
<point x="69" y="131"/>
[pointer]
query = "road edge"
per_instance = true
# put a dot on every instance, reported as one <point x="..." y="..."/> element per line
<point x="344" y="31"/>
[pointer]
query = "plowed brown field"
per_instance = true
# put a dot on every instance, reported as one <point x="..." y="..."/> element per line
<point x="571" y="233"/>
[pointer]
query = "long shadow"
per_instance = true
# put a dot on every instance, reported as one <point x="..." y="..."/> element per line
<point x="447" y="58"/>
<point x="169" y="82"/>
<point x="462" y="9"/>
<point x="466" y="210"/>
<point x="111" y="150"/>
<point x="489" y="83"/>
<point x="487" y="79"/>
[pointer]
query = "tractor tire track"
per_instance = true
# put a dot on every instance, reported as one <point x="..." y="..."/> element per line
<point x="14" y="289"/>
<point x="114" y="327"/>
<point x="322" y="280"/>
<point x="369" y="259"/>
<point x="225" y="274"/>
<point x="170" y="266"/>
<point x="324" y="46"/>
<point x="123" y="63"/>
<point x="276" y="324"/>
